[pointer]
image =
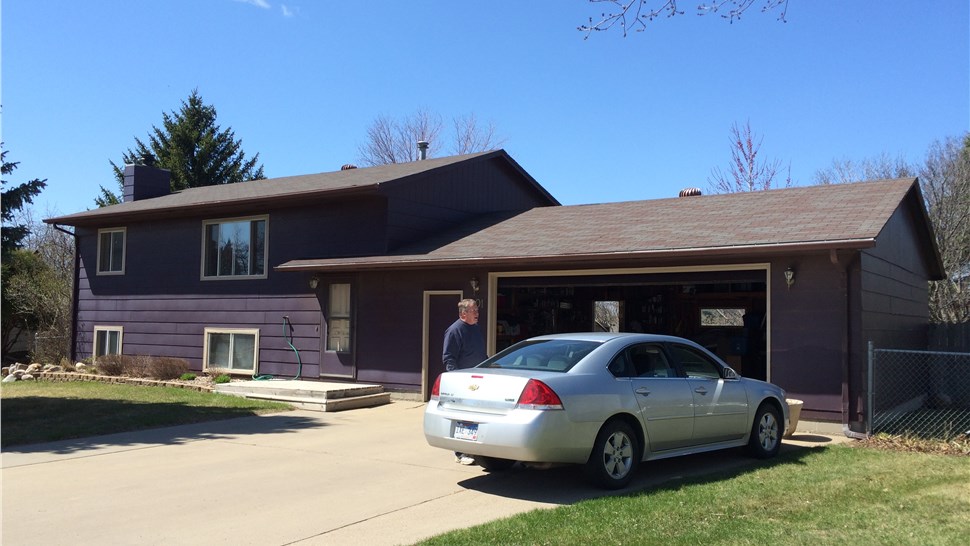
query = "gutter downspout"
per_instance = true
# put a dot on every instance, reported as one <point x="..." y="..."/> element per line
<point x="75" y="294"/>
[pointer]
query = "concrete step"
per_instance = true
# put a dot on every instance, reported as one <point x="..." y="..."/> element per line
<point x="310" y="395"/>
<point x="326" y="405"/>
<point x="304" y="389"/>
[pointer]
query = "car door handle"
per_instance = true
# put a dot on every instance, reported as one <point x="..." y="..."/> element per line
<point x="642" y="391"/>
<point x="700" y="390"/>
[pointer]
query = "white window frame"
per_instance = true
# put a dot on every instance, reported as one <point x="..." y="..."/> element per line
<point x="107" y="330"/>
<point x="232" y="332"/>
<point x="124" y="250"/>
<point x="205" y="240"/>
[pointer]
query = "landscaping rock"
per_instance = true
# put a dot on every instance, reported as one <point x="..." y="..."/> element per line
<point x="33" y="368"/>
<point x="81" y="367"/>
<point x="27" y="377"/>
<point x="9" y="379"/>
<point x="5" y="371"/>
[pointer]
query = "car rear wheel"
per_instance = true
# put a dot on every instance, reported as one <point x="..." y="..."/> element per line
<point x="493" y="464"/>
<point x="766" y="432"/>
<point x="615" y="456"/>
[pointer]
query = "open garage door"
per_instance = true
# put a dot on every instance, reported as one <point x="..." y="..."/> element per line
<point x="725" y="311"/>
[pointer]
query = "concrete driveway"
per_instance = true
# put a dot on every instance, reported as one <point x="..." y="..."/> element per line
<point x="357" y="477"/>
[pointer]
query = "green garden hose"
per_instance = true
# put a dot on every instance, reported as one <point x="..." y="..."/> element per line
<point x="289" y="341"/>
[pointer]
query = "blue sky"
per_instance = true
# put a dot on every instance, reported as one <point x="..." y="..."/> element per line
<point x="598" y="120"/>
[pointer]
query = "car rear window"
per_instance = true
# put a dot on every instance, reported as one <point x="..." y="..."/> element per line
<point x="553" y="355"/>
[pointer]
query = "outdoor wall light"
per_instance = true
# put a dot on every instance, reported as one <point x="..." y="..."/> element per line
<point x="475" y="285"/>
<point x="789" y="277"/>
<point x="314" y="282"/>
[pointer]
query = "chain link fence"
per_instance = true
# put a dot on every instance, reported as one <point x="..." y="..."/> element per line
<point x="919" y="393"/>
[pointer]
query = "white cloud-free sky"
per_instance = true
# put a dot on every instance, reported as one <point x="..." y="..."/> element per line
<point x="597" y="120"/>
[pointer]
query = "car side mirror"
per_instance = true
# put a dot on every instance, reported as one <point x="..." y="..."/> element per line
<point x="729" y="373"/>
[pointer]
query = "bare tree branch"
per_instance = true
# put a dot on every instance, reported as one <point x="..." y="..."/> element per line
<point x="390" y="141"/>
<point x="635" y="14"/>
<point x="747" y="173"/>
<point x="845" y="170"/>
<point x="945" y="181"/>
<point x="470" y="137"/>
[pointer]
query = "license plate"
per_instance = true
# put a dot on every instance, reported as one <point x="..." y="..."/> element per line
<point x="466" y="431"/>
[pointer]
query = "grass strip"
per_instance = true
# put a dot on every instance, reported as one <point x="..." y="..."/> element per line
<point x="834" y="495"/>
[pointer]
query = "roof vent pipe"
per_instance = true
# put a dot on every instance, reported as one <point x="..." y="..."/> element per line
<point x="690" y="192"/>
<point x="422" y="150"/>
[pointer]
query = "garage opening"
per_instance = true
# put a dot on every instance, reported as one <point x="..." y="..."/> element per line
<point x="725" y="311"/>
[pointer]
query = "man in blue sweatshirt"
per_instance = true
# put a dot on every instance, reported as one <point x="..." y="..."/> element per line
<point x="464" y="347"/>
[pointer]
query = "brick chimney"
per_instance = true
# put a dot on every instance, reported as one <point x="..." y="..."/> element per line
<point x="144" y="182"/>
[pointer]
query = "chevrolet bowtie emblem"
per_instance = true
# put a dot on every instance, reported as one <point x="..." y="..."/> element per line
<point x="473" y="387"/>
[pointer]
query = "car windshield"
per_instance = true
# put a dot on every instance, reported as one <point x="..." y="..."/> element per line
<point x="553" y="355"/>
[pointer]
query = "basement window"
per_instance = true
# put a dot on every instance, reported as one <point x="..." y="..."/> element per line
<point x="107" y="340"/>
<point x="231" y="350"/>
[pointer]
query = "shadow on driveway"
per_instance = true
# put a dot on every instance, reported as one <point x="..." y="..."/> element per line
<point x="567" y="484"/>
<point x="155" y="423"/>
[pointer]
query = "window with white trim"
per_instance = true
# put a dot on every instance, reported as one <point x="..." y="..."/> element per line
<point x="107" y="340"/>
<point x="111" y="251"/>
<point x="338" y="325"/>
<point x="232" y="350"/>
<point x="234" y="248"/>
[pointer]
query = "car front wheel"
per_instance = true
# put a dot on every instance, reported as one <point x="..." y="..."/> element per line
<point x="766" y="432"/>
<point x="615" y="456"/>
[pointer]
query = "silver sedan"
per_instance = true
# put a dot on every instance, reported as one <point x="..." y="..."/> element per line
<point x="604" y="400"/>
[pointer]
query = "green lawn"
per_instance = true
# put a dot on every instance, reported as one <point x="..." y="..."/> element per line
<point x="43" y="411"/>
<point x="832" y="495"/>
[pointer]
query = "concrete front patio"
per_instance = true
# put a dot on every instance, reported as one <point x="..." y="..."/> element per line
<point x="310" y="395"/>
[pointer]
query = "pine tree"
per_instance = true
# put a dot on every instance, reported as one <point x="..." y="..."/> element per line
<point x="16" y="263"/>
<point x="13" y="200"/>
<point x="193" y="147"/>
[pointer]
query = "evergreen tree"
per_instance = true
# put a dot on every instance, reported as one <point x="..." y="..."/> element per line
<point x="193" y="147"/>
<point x="13" y="200"/>
<point x="15" y="263"/>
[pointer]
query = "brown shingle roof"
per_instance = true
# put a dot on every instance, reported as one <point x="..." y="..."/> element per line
<point x="276" y="189"/>
<point x="837" y="216"/>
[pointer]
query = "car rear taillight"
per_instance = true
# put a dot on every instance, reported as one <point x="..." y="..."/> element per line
<point x="538" y="395"/>
<point x="436" y="388"/>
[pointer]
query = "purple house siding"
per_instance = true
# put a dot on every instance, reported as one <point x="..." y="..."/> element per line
<point x="423" y="206"/>
<point x="391" y="345"/>
<point x="894" y="290"/>
<point x="169" y="326"/>
<point x="164" y="305"/>
<point x="806" y="333"/>
<point x="893" y="312"/>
